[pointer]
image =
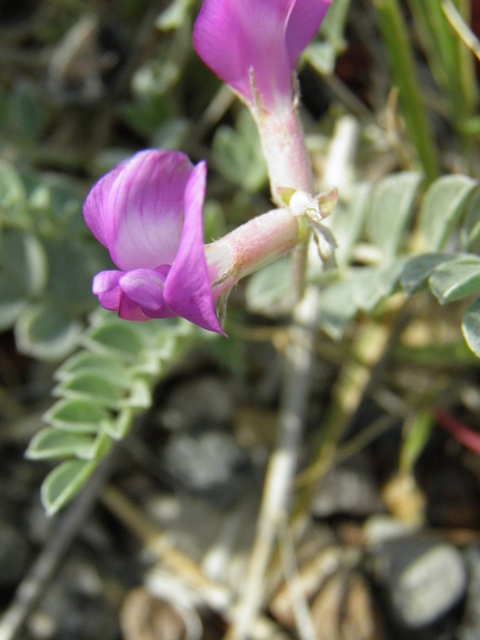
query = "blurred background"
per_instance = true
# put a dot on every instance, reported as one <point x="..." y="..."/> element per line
<point x="151" y="441"/>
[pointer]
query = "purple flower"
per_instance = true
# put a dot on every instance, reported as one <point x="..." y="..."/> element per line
<point x="257" y="43"/>
<point x="148" y="213"/>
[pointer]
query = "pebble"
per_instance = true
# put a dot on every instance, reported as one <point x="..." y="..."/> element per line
<point x="382" y="527"/>
<point x="347" y="491"/>
<point x="423" y="579"/>
<point x="210" y="462"/>
<point x="469" y="628"/>
<point x="205" y="399"/>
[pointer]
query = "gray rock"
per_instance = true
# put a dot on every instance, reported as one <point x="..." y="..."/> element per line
<point x="206" y="399"/>
<point x="469" y="628"/>
<point x="348" y="491"/>
<point x="209" y="462"/>
<point x="382" y="527"/>
<point x="423" y="579"/>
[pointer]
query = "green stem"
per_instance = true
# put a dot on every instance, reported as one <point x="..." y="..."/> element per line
<point x="466" y="60"/>
<point x="394" y="33"/>
<point x="355" y="377"/>
<point x="450" y="61"/>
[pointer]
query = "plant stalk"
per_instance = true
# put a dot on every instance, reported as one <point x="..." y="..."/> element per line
<point x="394" y="33"/>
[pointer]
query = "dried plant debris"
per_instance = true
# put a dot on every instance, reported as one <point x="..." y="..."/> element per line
<point x="146" y="617"/>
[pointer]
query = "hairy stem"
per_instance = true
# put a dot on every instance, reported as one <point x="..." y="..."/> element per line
<point x="253" y="245"/>
<point x="283" y="144"/>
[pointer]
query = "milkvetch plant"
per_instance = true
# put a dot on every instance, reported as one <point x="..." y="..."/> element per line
<point x="148" y="210"/>
<point x="148" y="213"/>
<point x="397" y="234"/>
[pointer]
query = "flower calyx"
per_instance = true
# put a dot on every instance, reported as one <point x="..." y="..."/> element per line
<point x="315" y="210"/>
<point x="302" y="203"/>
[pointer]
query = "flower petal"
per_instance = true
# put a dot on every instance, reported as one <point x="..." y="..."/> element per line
<point x="95" y="209"/>
<point x="235" y="36"/>
<point x="303" y="22"/>
<point x="106" y="281"/>
<point x="130" y="310"/>
<point x="105" y="286"/>
<point x="187" y="288"/>
<point x="145" y="287"/>
<point x="111" y="299"/>
<point x="137" y="209"/>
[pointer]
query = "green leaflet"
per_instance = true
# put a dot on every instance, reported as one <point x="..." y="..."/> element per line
<point x="54" y="443"/>
<point x="371" y="285"/>
<point x="81" y="416"/>
<point x="118" y="428"/>
<point x="13" y="196"/>
<point x="23" y="261"/>
<point x="88" y="362"/>
<point x="322" y="54"/>
<point x="470" y="229"/>
<point x="23" y="273"/>
<point x="322" y="57"/>
<point x="64" y="482"/>
<point x="471" y="327"/>
<point x="113" y="339"/>
<point x="101" y="389"/>
<point x="455" y="279"/>
<point x="336" y="308"/>
<point x="443" y="205"/>
<point x="360" y="289"/>
<point x="419" y="268"/>
<point x="46" y="332"/>
<point x="237" y="154"/>
<point x="12" y="303"/>
<point x="269" y="288"/>
<point x="92" y="387"/>
<point x="391" y="208"/>
<point x="174" y="16"/>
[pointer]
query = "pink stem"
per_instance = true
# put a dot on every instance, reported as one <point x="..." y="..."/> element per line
<point x="283" y="144"/>
<point x="252" y="245"/>
<point x="466" y="436"/>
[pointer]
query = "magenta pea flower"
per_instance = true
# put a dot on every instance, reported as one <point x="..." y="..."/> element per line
<point x="254" y="45"/>
<point x="148" y="213"/>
